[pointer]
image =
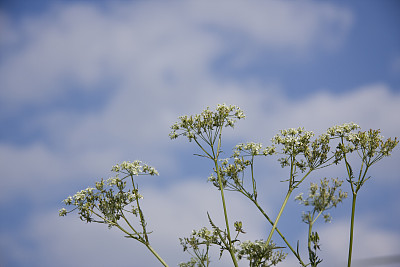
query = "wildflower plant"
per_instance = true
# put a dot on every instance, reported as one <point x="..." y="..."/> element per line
<point x="112" y="200"/>
<point x="371" y="147"/>
<point x="322" y="198"/>
<point x="299" y="151"/>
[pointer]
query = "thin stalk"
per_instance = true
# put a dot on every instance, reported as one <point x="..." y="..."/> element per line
<point x="309" y="240"/>
<point x="197" y="142"/>
<point x="215" y="158"/>
<point x="142" y="220"/>
<point x="139" y="238"/>
<point x="353" y="209"/>
<point x="225" y="213"/>
<point x="127" y="222"/>
<point x="279" y="214"/>
<point x="252" y="178"/>
<point x="277" y="230"/>
<point x="156" y="255"/>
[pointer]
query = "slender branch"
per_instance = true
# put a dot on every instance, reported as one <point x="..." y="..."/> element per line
<point x="142" y="220"/>
<point x="353" y="209"/>
<point x="279" y="214"/>
<point x="156" y="255"/>
<point x="309" y="241"/>
<point x="277" y="230"/>
<point x="197" y="142"/>
<point x="133" y="229"/>
<point x="225" y="213"/>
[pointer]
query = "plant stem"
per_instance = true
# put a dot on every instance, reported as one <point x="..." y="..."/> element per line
<point x="142" y="220"/>
<point x="277" y="230"/>
<point x="225" y="213"/>
<point x="279" y="215"/>
<point x="353" y="209"/>
<point x="309" y="241"/>
<point x="157" y="256"/>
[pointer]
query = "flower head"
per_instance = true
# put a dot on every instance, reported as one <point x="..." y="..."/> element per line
<point x="206" y="122"/>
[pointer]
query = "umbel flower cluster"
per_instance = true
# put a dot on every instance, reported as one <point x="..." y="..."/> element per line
<point x="107" y="202"/>
<point x="299" y="152"/>
<point x="208" y="125"/>
<point x="322" y="198"/>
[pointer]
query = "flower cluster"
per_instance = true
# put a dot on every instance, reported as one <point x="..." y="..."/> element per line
<point x="322" y="198"/>
<point x="294" y="141"/>
<point x="372" y="144"/>
<point x="207" y="121"/>
<point x="252" y="149"/>
<point x="109" y="199"/>
<point x="297" y="142"/>
<point x="259" y="253"/>
<point x="342" y="130"/>
<point x="231" y="173"/>
<point x="317" y="154"/>
<point x="134" y="168"/>
<point x="202" y="237"/>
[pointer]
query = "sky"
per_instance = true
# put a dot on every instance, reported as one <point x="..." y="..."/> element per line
<point x="88" y="84"/>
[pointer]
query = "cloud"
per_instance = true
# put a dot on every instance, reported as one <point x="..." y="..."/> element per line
<point x="80" y="44"/>
<point x="75" y="48"/>
<point x="281" y="24"/>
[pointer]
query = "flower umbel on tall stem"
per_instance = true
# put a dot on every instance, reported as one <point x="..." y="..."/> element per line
<point x="206" y="130"/>
<point x="322" y="198"/>
<point x="371" y="147"/>
<point x="111" y="201"/>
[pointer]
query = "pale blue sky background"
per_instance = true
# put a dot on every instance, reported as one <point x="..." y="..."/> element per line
<point x="87" y="84"/>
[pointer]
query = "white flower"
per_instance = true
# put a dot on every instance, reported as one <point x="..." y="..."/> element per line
<point x="62" y="212"/>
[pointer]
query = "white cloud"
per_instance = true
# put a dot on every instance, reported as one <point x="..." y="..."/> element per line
<point x="82" y="44"/>
<point x="297" y="25"/>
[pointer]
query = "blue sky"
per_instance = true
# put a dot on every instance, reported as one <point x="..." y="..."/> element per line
<point x="87" y="84"/>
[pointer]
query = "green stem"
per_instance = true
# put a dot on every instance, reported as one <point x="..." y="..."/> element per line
<point x="310" y="224"/>
<point x="252" y="178"/>
<point x="215" y="159"/>
<point x="127" y="222"/>
<point x="225" y="213"/>
<point x="156" y="255"/>
<point x="277" y="230"/>
<point x="279" y="214"/>
<point x="353" y="209"/>
<point x="142" y="220"/>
